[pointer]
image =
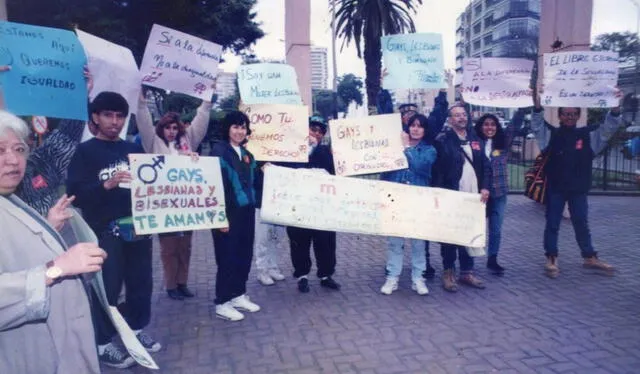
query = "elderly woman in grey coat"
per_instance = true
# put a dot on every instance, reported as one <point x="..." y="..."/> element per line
<point x="45" y="322"/>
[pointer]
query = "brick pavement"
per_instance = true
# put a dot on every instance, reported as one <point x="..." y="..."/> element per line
<point x="522" y="323"/>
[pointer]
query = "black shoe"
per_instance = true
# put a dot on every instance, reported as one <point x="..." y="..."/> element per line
<point x="492" y="264"/>
<point x="430" y="273"/>
<point x="175" y="294"/>
<point x="184" y="291"/>
<point x="328" y="282"/>
<point x="303" y="285"/>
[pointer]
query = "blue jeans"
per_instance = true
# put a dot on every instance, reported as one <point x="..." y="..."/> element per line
<point x="449" y="252"/>
<point x="495" y="213"/>
<point x="578" y="207"/>
<point x="395" y="253"/>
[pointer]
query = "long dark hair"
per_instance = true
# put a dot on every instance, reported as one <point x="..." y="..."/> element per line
<point x="164" y="122"/>
<point x="498" y="140"/>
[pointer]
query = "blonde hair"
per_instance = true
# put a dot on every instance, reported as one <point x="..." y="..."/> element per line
<point x="11" y="122"/>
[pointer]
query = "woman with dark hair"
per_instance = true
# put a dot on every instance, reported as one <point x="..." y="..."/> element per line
<point x="171" y="137"/>
<point x="421" y="157"/>
<point x="497" y="143"/>
<point x="234" y="245"/>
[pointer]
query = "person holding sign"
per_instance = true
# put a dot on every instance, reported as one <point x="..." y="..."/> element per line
<point x="99" y="177"/>
<point x="569" y="171"/>
<point x="421" y="157"/>
<point x="461" y="166"/>
<point x="496" y="148"/>
<point x="234" y="245"/>
<point x="300" y="239"/>
<point x="171" y="136"/>
<point x="45" y="318"/>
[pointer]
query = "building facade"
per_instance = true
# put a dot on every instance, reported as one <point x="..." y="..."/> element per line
<point x="319" y="68"/>
<point x="226" y="85"/>
<point x="498" y="28"/>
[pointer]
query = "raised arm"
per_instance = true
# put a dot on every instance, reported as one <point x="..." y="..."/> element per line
<point x="145" y="125"/>
<point x="198" y="129"/>
<point x="438" y="116"/>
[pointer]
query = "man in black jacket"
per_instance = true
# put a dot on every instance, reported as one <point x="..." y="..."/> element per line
<point x="569" y="171"/>
<point x="461" y="166"/>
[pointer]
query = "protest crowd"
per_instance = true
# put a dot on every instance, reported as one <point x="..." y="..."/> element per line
<point x="66" y="260"/>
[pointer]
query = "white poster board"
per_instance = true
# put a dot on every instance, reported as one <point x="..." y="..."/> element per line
<point x="497" y="82"/>
<point x="580" y="79"/>
<point x="268" y="83"/>
<point x="113" y="69"/>
<point x="307" y="198"/>
<point x="180" y="62"/>
<point x="174" y="193"/>
<point x="278" y="132"/>
<point x="367" y="145"/>
<point x="413" y="61"/>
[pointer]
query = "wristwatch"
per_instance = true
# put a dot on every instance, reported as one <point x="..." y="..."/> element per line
<point x="53" y="272"/>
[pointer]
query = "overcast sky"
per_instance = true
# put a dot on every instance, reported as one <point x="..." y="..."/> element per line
<point x="434" y="16"/>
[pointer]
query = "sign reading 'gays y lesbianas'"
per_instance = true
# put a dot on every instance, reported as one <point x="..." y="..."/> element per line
<point x="278" y="132"/>
<point x="180" y="62"/>
<point x="497" y="82"/>
<point x="367" y="145"/>
<point x="174" y="193"/>
<point x="46" y="76"/>
<point x="584" y="79"/>
<point x="413" y="61"/>
<point x="268" y="83"/>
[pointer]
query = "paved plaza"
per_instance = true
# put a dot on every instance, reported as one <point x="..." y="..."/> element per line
<point x="522" y="323"/>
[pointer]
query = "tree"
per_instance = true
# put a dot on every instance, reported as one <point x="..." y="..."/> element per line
<point x="230" y="23"/>
<point x="627" y="44"/>
<point x="365" y="22"/>
<point x="324" y="104"/>
<point x="349" y="90"/>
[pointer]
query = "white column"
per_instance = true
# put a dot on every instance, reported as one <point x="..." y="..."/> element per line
<point x="297" y="43"/>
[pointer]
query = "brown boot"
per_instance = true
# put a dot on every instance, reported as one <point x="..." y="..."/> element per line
<point x="449" y="281"/>
<point x="472" y="281"/>
<point x="595" y="263"/>
<point x="551" y="267"/>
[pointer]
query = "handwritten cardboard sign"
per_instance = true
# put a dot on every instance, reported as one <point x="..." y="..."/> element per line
<point x="580" y="79"/>
<point x="306" y="198"/>
<point x="268" y="83"/>
<point x="497" y="82"/>
<point x="367" y="145"/>
<point x="46" y="76"/>
<point x="413" y="61"/>
<point x="114" y="69"/>
<point x="173" y="193"/>
<point x="278" y="132"/>
<point x="180" y="62"/>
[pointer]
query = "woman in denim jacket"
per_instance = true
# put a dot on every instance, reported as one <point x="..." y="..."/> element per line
<point x="421" y="157"/>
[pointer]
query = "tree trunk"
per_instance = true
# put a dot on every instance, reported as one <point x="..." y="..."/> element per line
<point x="373" y="66"/>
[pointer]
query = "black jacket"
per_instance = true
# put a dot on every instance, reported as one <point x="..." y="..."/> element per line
<point x="568" y="167"/>
<point x="450" y="161"/>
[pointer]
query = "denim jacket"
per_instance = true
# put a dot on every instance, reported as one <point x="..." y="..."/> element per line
<point x="421" y="158"/>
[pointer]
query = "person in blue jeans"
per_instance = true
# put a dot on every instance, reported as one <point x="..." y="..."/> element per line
<point x="496" y="148"/>
<point x="420" y="156"/>
<point x="569" y="173"/>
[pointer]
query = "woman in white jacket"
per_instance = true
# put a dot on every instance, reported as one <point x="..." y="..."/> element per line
<point x="171" y="137"/>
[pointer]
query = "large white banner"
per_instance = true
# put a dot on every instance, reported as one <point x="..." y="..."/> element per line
<point x="114" y="69"/>
<point x="367" y="145"/>
<point x="307" y="198"/>
<point x="497" y="82"/>
<point x="174" y="193"/>
<point x="180" y="62"/>
<point x="580" y="79"/>
<point x="278" y="132"/>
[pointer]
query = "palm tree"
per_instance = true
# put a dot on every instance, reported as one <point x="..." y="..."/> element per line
<point x="368" y="21"/>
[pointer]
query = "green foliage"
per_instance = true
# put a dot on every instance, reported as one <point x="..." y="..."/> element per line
<point x="350" y="90"/>
<point x="364" y="22"/>
<point x="324" y="103"/>
<point x="230" y="23"/>
<point x="627" y="44"/>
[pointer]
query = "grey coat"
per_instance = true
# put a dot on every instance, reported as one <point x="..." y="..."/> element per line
<point x="42" y="329"/>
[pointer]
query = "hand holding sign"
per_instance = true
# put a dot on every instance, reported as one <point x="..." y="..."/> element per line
<point x="117" y="178"/>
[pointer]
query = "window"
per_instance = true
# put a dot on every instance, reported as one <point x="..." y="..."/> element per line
<point x="488" y="39"/>
<point x="476" y="45"/>
<point x="477" y="28"/>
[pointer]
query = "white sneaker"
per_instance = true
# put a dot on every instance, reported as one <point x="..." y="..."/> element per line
<point x="275" y="274"/>
<point x="390" y="285"/>
<point x="228" y="312"/>
<point x="265" y="279"/>
<point x="243" y="302"/>
<point x="420" y="287"/>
